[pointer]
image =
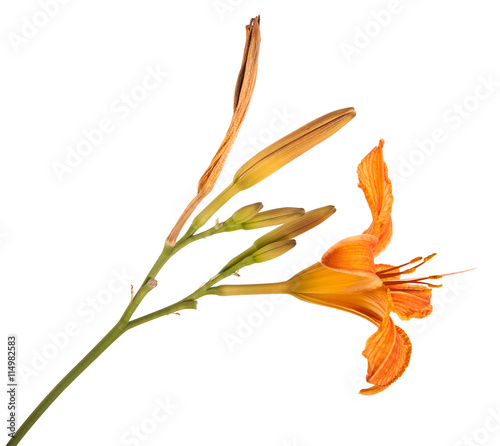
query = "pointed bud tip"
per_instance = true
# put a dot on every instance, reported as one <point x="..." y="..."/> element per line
<point x="325" y="211"/>
<point x="290" y="147"/>
<point x="247" y="212"/>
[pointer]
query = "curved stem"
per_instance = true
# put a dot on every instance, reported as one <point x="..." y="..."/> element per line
<point x="101" y="346"/>
<point x="124" y="324"/>
<point x="188" y="302"/>
<point x="105" y="342"/>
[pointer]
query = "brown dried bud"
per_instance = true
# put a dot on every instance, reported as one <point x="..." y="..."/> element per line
<point x="242" y="95"/>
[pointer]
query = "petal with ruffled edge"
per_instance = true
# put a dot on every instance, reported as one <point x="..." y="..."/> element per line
<point x="388" y="353"/>
<point x="376" y="185"/>
<point x="411" y="300"/>
<point x="352" y="255"/>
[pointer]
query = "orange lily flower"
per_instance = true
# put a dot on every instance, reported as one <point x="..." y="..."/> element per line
<point x="347" y="278"/>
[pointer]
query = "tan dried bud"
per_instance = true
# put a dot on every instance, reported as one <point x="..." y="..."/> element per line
<point x="273" y="217"/>
<point x="242" y="95"/>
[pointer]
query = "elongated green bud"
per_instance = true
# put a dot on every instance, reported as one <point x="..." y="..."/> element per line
<point x="286" y="231"/>
<point x="273" y="250"/>
<point x="296" y="227"/>
<point x="273" y="217"/>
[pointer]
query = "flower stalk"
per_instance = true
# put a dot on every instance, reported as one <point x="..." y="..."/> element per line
<point x="346" y="278"/>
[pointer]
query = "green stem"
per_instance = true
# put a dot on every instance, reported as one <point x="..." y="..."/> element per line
<point x="189" y="302"/>
<point x="261" y="288"/>
<point x="105" y="342"/>
<point x="210" y="210"/>
<point x="124" y="324"/>
<point x="182" y="305"/>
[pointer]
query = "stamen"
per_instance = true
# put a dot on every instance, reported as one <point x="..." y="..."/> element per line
<point x="429" y="257"/>
<point x="419" y="280"/>
<point x="414" y="280"/>
<point x="411" y="270"/>
<point x="431" y="285"/>
<point x="385" y="271"/>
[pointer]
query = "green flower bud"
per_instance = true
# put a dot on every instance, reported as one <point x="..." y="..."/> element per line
<point x="286" y="231"/>
<point x="273" y="250"/>
<point x="246" y="213"/>
<point x="296" y="227"/>
<point x="273" y="217"/>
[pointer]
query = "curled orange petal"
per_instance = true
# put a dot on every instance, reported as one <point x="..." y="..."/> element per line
<point x="373" y="390"/>
<point x="352" y="255"/>
<point x="411" y="300"/>
<point x="388" y="353"/>
<point x="376" y="185"/>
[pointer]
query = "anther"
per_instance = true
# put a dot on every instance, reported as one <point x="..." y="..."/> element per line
<point x="429" y="257"/>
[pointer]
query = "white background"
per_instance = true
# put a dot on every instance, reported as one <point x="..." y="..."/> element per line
<point x="294" y="379"/>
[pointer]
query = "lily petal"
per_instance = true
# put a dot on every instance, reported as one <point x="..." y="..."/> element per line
<point x="411" y="300"/>
<point x="371" y="305"/>
<point x="318" y="279"/>
<point x="352" y="255"/>
<point x="376" y="185"/>
<point x="388" y="353"/>
<point x="373" y="390"/>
